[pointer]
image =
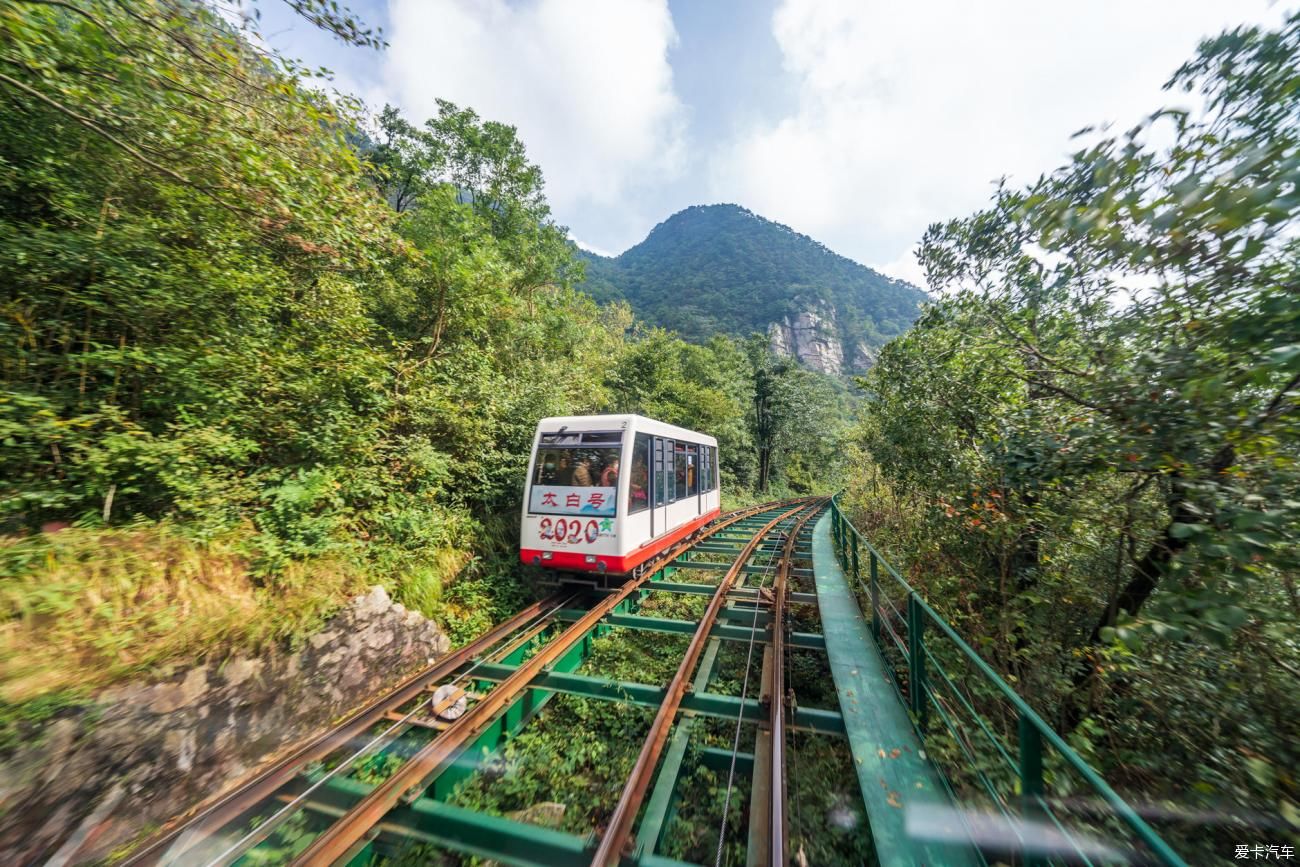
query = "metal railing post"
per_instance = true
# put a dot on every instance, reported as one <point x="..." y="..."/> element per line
<point x="839" y="536"/>
<point x="844" y="535"/>
<point x="875" y="596"/>
<point x="844" y="541"/>
<point x="916" y="658"/>
<point x="1031" y="779"/>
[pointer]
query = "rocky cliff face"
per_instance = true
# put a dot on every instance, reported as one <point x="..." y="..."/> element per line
<point x="812" y="338"/>
<point x="145" y="752"/>
<point x="863" y="357"/>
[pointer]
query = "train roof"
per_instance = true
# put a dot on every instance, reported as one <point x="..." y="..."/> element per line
<point x="637" y="422"/>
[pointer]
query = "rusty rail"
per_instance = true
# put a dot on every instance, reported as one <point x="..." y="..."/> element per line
<point x="341" y="837"/>
<point x="777" y="850"/>
<point x="619" y="831"/>
<point x="228" y="807"/>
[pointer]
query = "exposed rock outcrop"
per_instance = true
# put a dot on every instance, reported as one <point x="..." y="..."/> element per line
<point x="144" y="752"/>
<point x="810" y="337"/>
<point x="863" y="357"/>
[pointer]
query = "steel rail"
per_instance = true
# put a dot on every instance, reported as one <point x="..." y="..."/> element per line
<point x="619" y="829"/>
<point x="339" y="838"/>
<point x="777" y="851"/>
<point x="762" y="746"/>
<point x="227" y="807"/>
<point x="399" y="726"/>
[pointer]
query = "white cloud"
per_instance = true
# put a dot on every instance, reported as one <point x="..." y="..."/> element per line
<point x="905" y="267"/>
<point x="588" y="85"/>
<point x="908" y="112"/>
<point x="592" y="248"/>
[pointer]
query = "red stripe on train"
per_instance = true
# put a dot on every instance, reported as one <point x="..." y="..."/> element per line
<point x="577" y="560"/>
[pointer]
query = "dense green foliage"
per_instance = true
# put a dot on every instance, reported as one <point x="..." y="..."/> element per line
<point x="774" y="419"/>
<point x="257" y="352"/>
<point x="721" y="269"/>
<point x="1089" y="450"/>
<point x="212" y="320"/>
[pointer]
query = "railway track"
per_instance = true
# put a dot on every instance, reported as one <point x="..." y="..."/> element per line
<point x="384" y="773"/>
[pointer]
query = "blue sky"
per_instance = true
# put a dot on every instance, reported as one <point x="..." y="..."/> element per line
<point x="854" y="121"/>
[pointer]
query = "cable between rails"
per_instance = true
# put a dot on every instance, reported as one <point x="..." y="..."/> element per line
<point x="794" y="702"/>
<point x="744" y="693"/>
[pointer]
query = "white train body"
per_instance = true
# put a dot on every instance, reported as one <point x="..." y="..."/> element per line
<point x="605" y="493"/>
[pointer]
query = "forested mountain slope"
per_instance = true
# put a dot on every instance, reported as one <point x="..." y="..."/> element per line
<point x="722" y="269"/>
<point x="272" y="353"/>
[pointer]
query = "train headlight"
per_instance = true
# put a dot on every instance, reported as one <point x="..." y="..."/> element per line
<point x="547" y="555"/>
<point x="590" y="558"/>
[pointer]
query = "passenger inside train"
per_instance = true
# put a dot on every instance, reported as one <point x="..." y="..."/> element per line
<point x="638" y="494"/>
<point x="578" y="467"/>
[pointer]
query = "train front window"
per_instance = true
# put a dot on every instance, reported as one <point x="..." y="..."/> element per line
<point x="577" y="467"/>
<point x="575" y="479"/>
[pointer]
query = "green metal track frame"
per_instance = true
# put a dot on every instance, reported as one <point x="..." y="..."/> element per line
<point x="893" y="773"/>
<point x="431" y="819"/>
<point x="436" y="822"/>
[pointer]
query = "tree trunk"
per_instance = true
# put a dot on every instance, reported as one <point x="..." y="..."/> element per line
<point x="1142" y="584"/>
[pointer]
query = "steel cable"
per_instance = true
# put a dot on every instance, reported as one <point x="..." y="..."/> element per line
<point x="744" y="693"/>
<point x="793" y="754"/>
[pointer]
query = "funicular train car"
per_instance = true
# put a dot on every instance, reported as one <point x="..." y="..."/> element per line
<point x="606" y="493"/>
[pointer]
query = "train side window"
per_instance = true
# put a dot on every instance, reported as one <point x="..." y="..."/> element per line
<point x="713" y="468"/>
<point x="638" y="489"/>
<point x="705" y="476"/>
<point x="670" y="470"/>
<point x="679" y="469"/>
<point x="659" y="474"/>
<point x="692" y="470"/>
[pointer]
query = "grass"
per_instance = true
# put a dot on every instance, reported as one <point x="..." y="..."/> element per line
<point x="735" y="497"/>
<point x="20" y="721"/>
<point x="82" y="608"/>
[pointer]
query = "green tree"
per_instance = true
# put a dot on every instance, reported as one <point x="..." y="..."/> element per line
<point x="218" y="337"/>
<point x="701" y="387"/>
<point x="795" y="415"/>
<point x="170" y="251"/>
<point x="484" y="163"/>
<point x="1098" y="425"/>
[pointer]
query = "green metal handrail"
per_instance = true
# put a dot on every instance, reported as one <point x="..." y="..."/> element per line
<point x="1032" y="731"/>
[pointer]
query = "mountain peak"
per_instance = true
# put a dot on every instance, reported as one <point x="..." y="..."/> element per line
<point x="722" y="268"/>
